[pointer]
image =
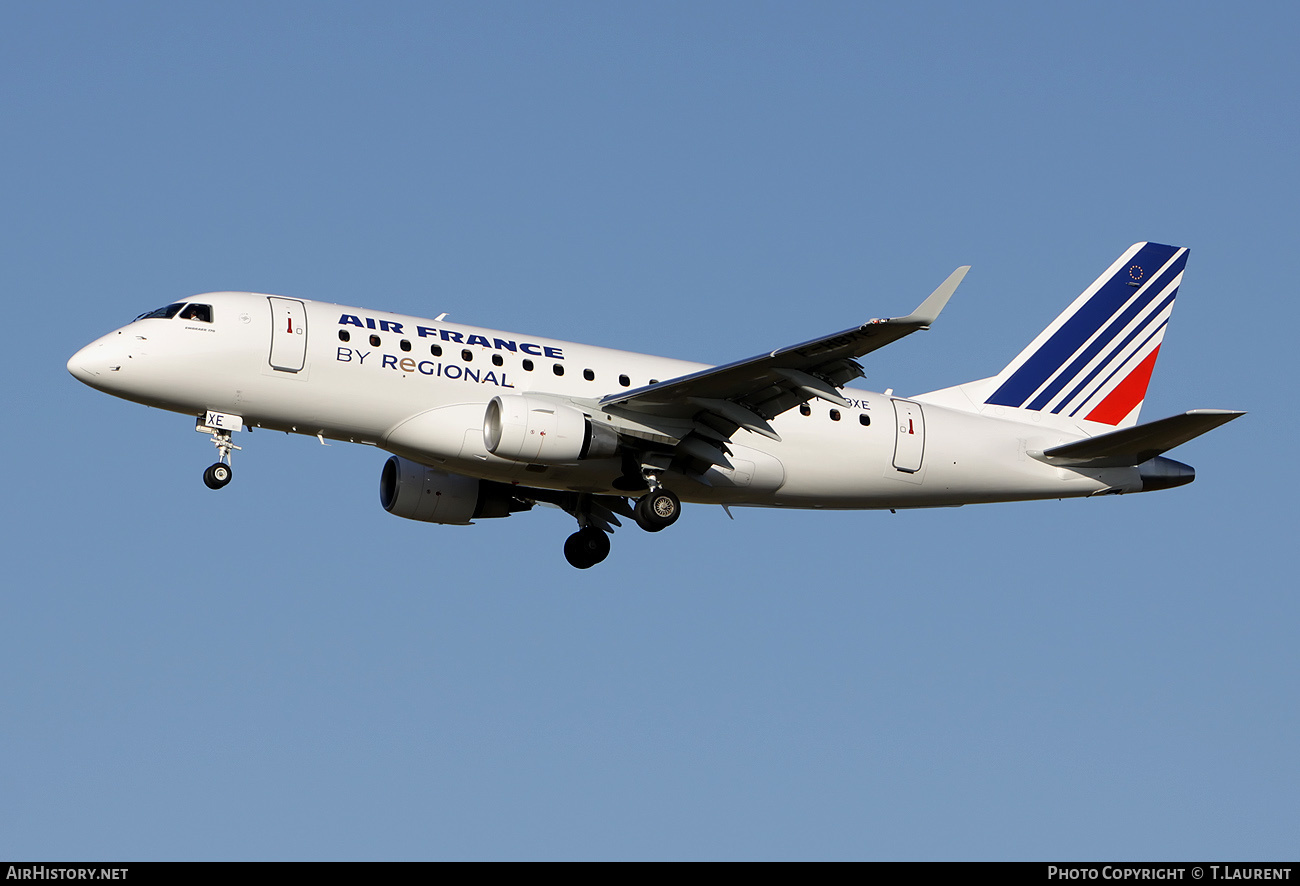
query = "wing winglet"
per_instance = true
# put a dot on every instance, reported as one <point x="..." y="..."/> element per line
<point x="928" y="311"/>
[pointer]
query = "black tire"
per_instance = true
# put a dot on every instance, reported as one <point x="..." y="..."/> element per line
<point x="657" y="510"/>
<point x="217" y="476"/>
<point x="586" y="547"/>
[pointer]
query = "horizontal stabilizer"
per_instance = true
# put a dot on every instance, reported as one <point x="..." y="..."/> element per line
<point x="1135" y="445"/>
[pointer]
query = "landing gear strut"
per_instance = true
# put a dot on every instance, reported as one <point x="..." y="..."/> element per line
<point x="586" y="547"/>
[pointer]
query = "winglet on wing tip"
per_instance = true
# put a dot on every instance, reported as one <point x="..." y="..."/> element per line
<point x="928" y="311"/>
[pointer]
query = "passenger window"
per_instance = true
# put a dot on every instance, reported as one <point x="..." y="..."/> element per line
<point x="558" y="368"/>
<point x="624" y="380"/>
<point x="805" y="409"/>
<point x="201" y="313"/>
<point x="864" y="419"/>
<point x="435" y="350"/>
<point x="528" y="366"/>
<point x="404" y="345"/>
<point x="654" y="381"/>
<point x="374" y="341"/>
<point x="344" y="335"/>
<point x="467" y="355"/>
<point x="497" y="361"/>
<point x="588" y="375"/>
<point x="835" y="415"/>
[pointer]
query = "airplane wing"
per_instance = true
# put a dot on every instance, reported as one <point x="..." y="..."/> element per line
<point x="749" y="393"/>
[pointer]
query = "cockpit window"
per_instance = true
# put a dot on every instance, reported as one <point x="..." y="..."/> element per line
<point x="202" y="313"/>
<point x="162" y="313"/>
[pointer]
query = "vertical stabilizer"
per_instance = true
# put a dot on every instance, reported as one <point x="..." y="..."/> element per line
<point x="1094" y="361"/>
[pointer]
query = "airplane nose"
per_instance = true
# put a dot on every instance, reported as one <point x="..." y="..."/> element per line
<point x="94" y="361"/>
<point x="82" y="364"/>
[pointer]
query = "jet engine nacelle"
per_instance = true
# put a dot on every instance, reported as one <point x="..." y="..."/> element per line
<point x="541" y="431"/>
<point x="410" y="490"/>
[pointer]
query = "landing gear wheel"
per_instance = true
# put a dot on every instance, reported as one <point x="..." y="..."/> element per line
<point x="586" y="547"/>
<point x="657" y="510"/>
<point x="217" y="475"/>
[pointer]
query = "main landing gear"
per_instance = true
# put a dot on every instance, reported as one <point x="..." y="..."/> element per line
<point x="657" y="509"/>
<point x="597" y="515"/>
<point x="586" y="547"/>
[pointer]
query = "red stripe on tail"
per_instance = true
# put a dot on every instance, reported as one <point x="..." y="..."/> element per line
<point x="1127" y="394"/>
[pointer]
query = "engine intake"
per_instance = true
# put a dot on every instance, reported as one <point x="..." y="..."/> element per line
<point x="410" y="490"/>
<point x="541" y="431"/>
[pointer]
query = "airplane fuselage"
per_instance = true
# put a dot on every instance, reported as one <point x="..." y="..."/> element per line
<point x="419" y="388"/>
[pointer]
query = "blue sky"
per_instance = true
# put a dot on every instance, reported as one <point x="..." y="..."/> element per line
<point x="282" y="670"/>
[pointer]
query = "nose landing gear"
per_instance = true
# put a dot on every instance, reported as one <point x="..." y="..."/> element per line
<point x="219" y="426"/>
<point x="217" y="475"/>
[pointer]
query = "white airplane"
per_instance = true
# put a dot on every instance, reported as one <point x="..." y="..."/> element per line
<point x="482" y="423"/>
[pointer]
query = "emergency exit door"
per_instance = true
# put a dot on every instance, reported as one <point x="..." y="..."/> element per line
<point x="288" y="334"/>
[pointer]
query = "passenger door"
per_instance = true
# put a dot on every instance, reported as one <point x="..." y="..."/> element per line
<point x="288" y="334"/>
